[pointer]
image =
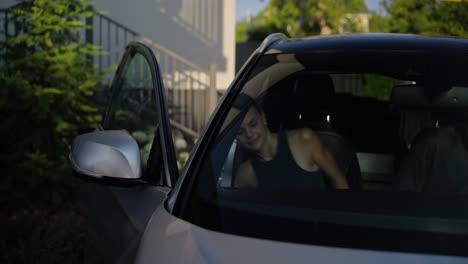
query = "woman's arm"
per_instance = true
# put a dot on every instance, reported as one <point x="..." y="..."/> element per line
<point x="245" y="176"/>
<point x="311" y="144"/>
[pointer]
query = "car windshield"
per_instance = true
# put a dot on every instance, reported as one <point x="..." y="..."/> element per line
<point x="330" y="147"/>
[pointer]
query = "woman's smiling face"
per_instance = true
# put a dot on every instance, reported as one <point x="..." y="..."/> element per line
<point x="253" y="130"/>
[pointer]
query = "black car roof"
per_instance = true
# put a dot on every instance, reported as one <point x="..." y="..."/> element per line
<point x="369" y="42"/>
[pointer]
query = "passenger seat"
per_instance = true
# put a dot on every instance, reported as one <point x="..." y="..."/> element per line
<point x="437" y="161"/>
<point x="312" y="104"/>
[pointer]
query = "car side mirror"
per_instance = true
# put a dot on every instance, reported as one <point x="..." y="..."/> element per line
<point x="111" y="154"/>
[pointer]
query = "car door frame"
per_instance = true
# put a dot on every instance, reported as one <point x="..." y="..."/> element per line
<point x="121" y="213"/>
<point x="171" y="172"/>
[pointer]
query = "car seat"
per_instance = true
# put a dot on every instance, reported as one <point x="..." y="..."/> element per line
<point x="437" y="161"/>
<point x="307" y="100"/>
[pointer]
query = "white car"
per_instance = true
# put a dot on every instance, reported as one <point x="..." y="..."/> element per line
<point x="357" y="152"/>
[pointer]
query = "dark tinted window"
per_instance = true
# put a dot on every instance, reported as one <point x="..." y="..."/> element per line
<point x="133" y="106"/>
<point x="394" y="127"/>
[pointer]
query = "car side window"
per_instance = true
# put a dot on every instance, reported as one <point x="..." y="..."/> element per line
<point x="133" y="106"/>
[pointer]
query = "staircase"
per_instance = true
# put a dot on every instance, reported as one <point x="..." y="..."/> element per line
<point x="190" y="89"/>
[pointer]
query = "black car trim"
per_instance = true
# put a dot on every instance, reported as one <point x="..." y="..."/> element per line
<point x="177" y="203"/>
<point x="329" y="227"/>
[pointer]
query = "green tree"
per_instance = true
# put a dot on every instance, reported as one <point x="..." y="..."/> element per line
<point x="451" y="19"/>
<point x="46" y="79"/>
<point x="378" y="23"/>
<point x="241" y="32"/>
<point x="428" y="17"/>
<point x="411" y="16"/>
<point x="299" y="18"/>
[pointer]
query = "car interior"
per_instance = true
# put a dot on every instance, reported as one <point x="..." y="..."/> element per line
<point x="371" y="139"/>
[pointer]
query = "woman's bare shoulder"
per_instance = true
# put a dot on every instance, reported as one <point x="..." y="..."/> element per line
<point x="246" y="166"/>
<point x="302" y="134"/>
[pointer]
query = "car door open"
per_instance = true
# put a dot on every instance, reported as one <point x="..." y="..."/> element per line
<point x="131" y="156"/>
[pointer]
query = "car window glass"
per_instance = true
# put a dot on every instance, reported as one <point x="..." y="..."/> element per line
<point x="365" y="85"/>
<point x="186" y="95"/>
<point x="394" y="132"/>
<point x="353" y="102"/>
<point x="133" y="105"/>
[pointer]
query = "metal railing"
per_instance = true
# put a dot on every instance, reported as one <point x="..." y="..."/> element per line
<point x="190" y="89"/>
<point x="6" y="27"/>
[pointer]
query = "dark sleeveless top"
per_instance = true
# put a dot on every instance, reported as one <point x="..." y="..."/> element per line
<point x="282" y="172"/>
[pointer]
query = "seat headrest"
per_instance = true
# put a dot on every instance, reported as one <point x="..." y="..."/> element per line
<point x="448" y="107"/>
<point x="419" y="97"/>
<point x="314" y="91"/>
<point x="243" y="101"/>
<point x="301" y="96"/>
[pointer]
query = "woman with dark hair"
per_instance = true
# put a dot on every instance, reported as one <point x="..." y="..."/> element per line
<point x="284" y="160"/>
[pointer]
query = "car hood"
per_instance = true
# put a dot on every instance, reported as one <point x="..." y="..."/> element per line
<point x="168" y="239"/>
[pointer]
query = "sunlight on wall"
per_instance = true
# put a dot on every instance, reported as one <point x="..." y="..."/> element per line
<point x="201" y="17"/>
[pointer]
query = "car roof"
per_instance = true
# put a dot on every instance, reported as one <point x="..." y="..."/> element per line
<point x="368" y="42"/>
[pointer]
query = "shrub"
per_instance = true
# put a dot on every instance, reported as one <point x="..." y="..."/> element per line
<point x="46" y="79"/>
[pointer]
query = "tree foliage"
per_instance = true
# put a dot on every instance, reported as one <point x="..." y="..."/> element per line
<point x="46" y="79"/>
<point x="241" y="32"/>
<point x="425" y="17"/>
<point x="299" y="18"/>
<point x="310" y="17"/>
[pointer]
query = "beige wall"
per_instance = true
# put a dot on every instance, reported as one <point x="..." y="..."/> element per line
<point x="7" y="3"/>
<point x="200" y="31"/>
<point x="224" y="78"/>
